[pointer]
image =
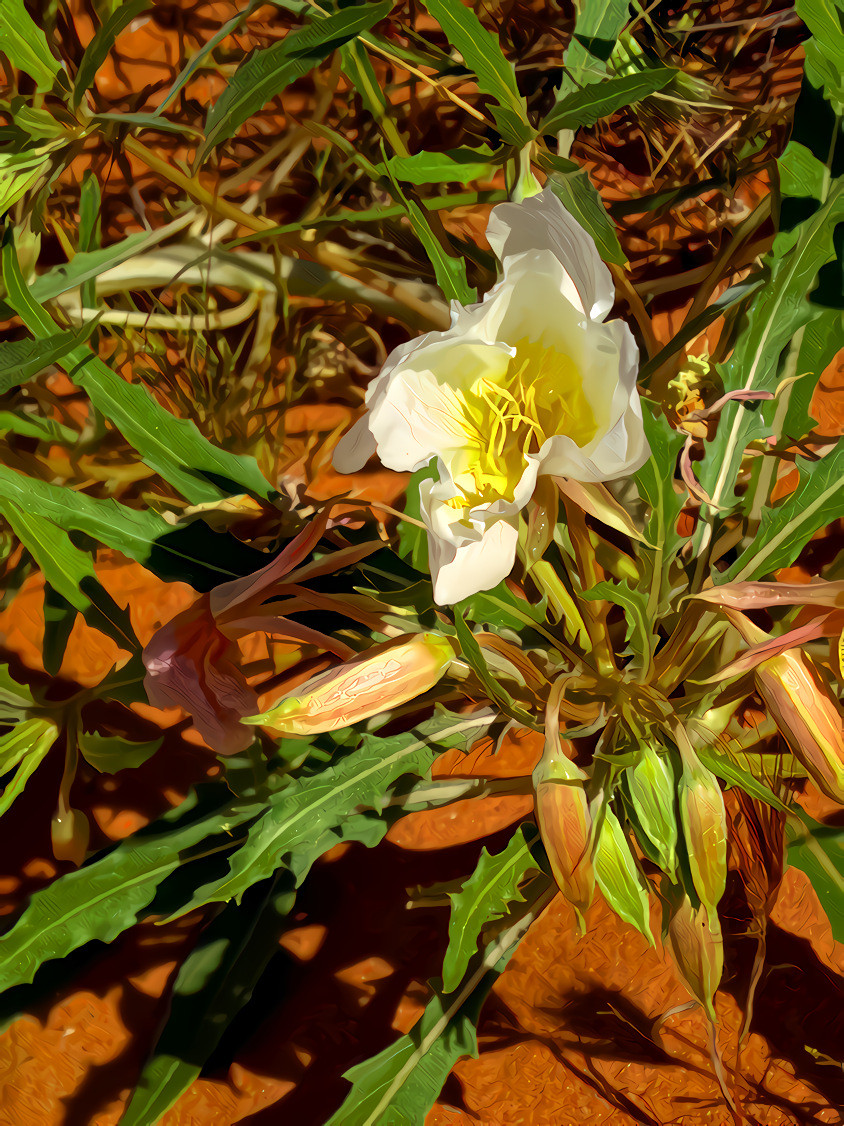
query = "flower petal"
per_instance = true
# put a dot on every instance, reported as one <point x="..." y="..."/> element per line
<point x="542" y="221"/>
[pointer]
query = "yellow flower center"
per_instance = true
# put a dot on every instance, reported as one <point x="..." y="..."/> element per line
<point x="504" y="419"/>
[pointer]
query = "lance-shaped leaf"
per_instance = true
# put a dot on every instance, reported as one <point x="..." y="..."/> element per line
<point x="779" y="308"/>
<point x="596" y="31"/>
<point x="818" y="850"/>
<point x="457" y="166"/>
<point x="825" y="47"/>
<point x="97" y="50"/>
<point x="171" y="446"/>
<point x="107" y="895"/>
<point x="600" y="99"/>
<point x="25" y="44"/>
<point x="634" y="602"/>
<point x="110" y="753"/>
<point x="618" y="875"/>
<point x="265" y="73"/>
<point x="653" y="793"/>
<point x="21" y="751"/>
<point x="400" y="1084"/>
<point x="481" y="51"/>
<point x="484" y="898"/>
<point x="214" y="983"/>
<point x="579" y="196"/>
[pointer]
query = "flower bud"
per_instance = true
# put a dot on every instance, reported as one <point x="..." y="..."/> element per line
<point x="562" y="810"/>
<point x="807" y="716"/>
<point x="694" y="938"/>
<point x="382" y="678"/>
<point x="704" y="828"/>
<point x="652" y="791"/>
<point x="618" y="877"/>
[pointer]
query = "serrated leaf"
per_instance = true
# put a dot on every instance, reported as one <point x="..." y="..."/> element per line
<point x="484" y="898"/>
<point x="63" y="565"/>
<point x="110" y="753"/>
<point x="731" y="772"/>
<point x="171" y="446"/>
<point x="598" y="26"/>
<point x="779" y="308"/>
<point x="579" y="195"/>
<point x="818" y="850"/>
<point x="618" y="877"/>
<point x="481" y="51"/>
<point x="399" y="1085"/>
<point x="600" y="99"/>
<point x="311" y="814"/>
<point x="106" y="896"/>
<point x="473" y="653"/>
<point x="97" y="50"/>
<point x="22" y="750"/>
<point x="458" y="166"/>
<point x="25" y="44"/>
<point x="265" y="73"/>
<point x="499" y="608"/>
<point x="214" y="983"/>
<point x="787" y="528"/>
<point x="15" y="698"/>
<point x="825" y="48"/>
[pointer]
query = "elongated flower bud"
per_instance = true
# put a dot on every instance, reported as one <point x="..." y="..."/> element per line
<point x="807" y="716"/>
<point x="562" y="811"/>
<point x="694" y="938"/>
<point x="704" y="826"/>
<point x="652" y="791"/>
<point x="618" y="876"/>
<point x="380" y="679"/>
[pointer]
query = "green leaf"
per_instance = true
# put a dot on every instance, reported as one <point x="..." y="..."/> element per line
<point x="111" y="523"/>
<point x="171" y="446"/>
<point x="778" y="309"/>
<point x="361" y="73"/>
<point x="818" y="850"/>
<point x="103" y="898"/>
<point x="599" y="24"/>
<point x="823" y="338"/>
<point x="458" y="166"/>
<point x="481" y="51"/>
<point x="33" y="426"/>
<point x="87" y="266"/>
<point x="59" y="620"/>
<point x="20" y="360"/>
<point x="499" y="608"/>
<point x="733" y="774"/>
<point x="267" y="72"/>
<point x="600" y="99"/>
<point x="413" y="540"/>
<point x="109" y="753"/>
<point x="484" y="898"/>
<point x="399" y="1085"/>
<point x="22" y="750"/>
<point x="15" y="698"/>
<point x="311" y="814"/>
<point x="90" y="205"/>
<point x="825" y="48"/>
<point x="801" y="173"/>
<point x="579" y="195"/>
<point x="97" y="50"/>
<point x="618" y="877"/>
<point x="450" y="271"/>
<point x="652" y="790"/>
<point x="24" y="43"/>
<point x="63" y="565"/>
<point x="786" y="529"/>
<point x="634" y="602"/>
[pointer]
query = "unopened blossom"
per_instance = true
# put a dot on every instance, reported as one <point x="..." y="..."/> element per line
<point x="530" y="381"/>
<point x="382" y="678"/>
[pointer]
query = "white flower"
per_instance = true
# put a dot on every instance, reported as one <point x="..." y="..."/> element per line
<point x="530" y="381"/>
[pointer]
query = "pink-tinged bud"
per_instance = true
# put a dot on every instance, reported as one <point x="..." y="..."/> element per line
<point x="382" y="678"/>
<point x="694" y="938"/>
<point x="704" y="826"/>
<point x="565" y="823"/>
<point x="808" y="717"/>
